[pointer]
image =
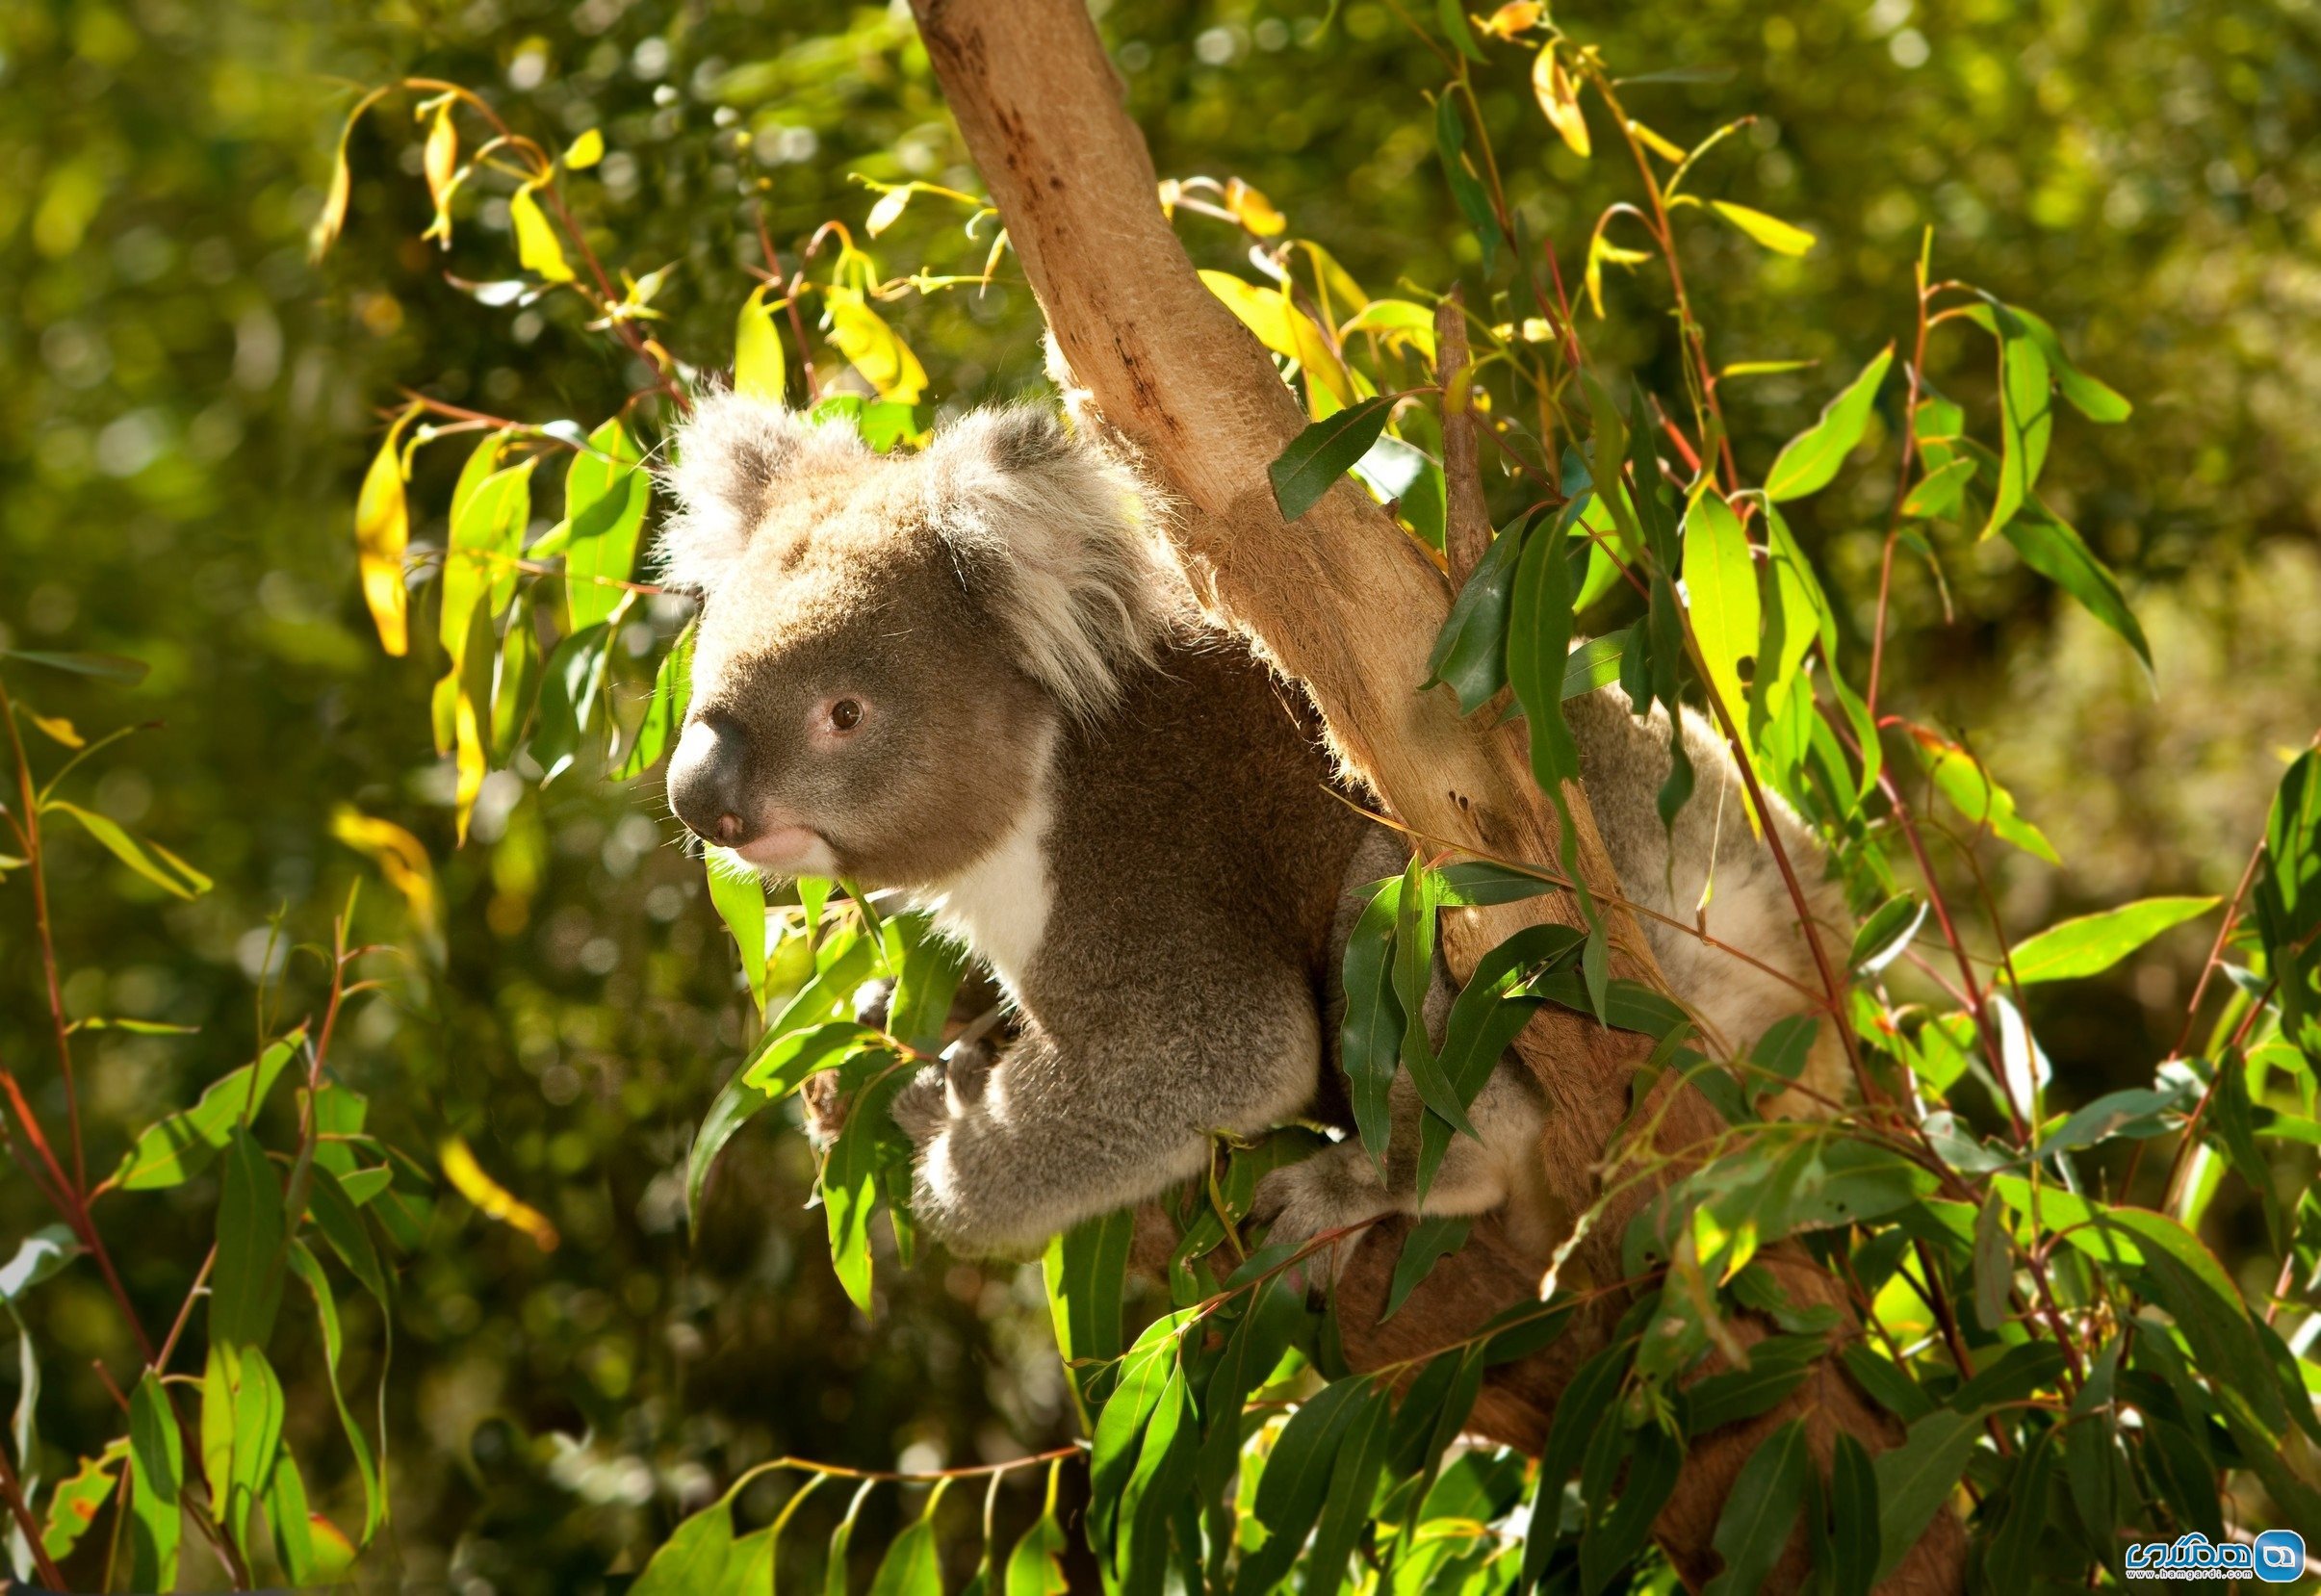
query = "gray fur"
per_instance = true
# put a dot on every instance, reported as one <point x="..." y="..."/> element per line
<point x="1118" y="808"/>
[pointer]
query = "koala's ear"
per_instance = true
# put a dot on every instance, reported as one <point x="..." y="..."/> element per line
<point x="1053" y="534"/>
<point x="732" y="456"/>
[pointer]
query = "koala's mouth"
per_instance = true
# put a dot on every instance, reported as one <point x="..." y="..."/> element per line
<point x="788" y="851"/>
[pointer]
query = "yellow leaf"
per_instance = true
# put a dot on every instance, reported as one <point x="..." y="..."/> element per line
<point x="468" y="759"/>
<point x="1559" y="95"/>
<point x="1653" y="141"/>
<point x="383" y="531"/>
<point x="1252" y="210"/>
<point x="1321" y="365"/>
<point x="586" y="150"/>
<point x="760" y="369"/>
<point x="1262" y="310"/>
<point x="492" y="1199"/>
<point x="536" y="246"/>
<point x="1770" y="231"/>
<point x="888" y="211"/>
<point x="333" y="219"/>
<point x="442" y="156"/>
<point x="1399" y="322"/>
<point x="873" y="347"/>
<point x="60" y="730"/>
<point x="401" y="858"/>
<point x="1516" y="16"/>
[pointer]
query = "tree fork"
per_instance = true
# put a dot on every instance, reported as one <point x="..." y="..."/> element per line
<point x="1348" y="605"/>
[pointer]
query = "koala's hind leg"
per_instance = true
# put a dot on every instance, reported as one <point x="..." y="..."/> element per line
<point x="1340" y="1186"/>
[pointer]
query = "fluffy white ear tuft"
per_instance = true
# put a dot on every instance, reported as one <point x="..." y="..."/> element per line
<point x="1053" y="534"/>
<point x="731" y="457"/>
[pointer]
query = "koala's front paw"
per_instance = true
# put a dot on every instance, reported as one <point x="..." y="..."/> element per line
<point x="923" y="1106"/>
<point x="1336" y="1188"/>
<point x="825" y="1108"/>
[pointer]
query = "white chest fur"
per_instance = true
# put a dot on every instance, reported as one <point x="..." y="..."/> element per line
<point x="998" y="906"/>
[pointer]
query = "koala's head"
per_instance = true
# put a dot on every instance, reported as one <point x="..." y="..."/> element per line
<point x="888" y="645"/>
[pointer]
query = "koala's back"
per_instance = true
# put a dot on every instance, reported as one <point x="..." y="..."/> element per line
<point x="1200" y="810"/>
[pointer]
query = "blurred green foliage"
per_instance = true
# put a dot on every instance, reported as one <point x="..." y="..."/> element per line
<point x="187" y="410"/>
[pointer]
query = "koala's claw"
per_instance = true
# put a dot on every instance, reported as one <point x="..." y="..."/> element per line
<point x="923" y="1106"/>
<point x="1334" y="1190"/>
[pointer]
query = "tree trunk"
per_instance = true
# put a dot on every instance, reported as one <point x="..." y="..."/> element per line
<point x="1348" y="604"/>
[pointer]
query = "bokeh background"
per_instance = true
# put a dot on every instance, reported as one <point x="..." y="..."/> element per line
<point x="187" y="403"/>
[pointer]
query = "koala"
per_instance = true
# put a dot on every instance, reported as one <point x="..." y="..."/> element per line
<point x="972" y="675"/>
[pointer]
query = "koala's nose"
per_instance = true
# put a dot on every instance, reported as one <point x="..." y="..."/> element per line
<point x="706" y="779"/>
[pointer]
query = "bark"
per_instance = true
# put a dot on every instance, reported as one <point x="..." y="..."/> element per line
<point x="1348" y="605"/>
<point x="1466" y="517"/>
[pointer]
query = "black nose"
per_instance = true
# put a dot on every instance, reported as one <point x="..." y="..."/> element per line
<point x="706" y="781"/>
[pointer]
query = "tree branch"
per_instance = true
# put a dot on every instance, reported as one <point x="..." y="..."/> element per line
<point x="1348" y="604"/>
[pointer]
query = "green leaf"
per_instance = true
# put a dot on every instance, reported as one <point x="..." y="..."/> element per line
<point x="1370" y="1036"/>
<point x="1777" y="1365"/>
<point x="2014" y="1543"/>
<point x="157" y="1477"/>
<point x="2026" y="419"/>
<point x="1961" y="778"/>
<point x="1345" y="1503"/>
<point x="309" y="1269"/>
<point x="38" y="1257"/>
<point x="1611" y="1542"/>
<point x="2093" y="943"/>
<point x="1994" y="1264"/>
<point x="2287" y="900"/>
<point x="105" y="667"/>
<point x="912" y="1566"/>
<point x="1450" y="145"/>
<point x="1585" y="1404"/>
<point x="1087" y="1272"/>
<point x="850" y="1179"/>
<point x="1453" y="16"/>
<point x="569" y="686"/>
<point x="833" y="1568"/>
<point x="246" y="1288"/>
<point x="1297" y="1477"/>
<point x="181" y="1147"/>
<point x="1809" y="462"/>
<point x="1470" y="652"/>
<point x="1781" y="237"/>
<point x="1145" y="1377"/>
<point x="241" y="1432"/>
<point x="672" y="691"/>
<point x="2089" y="396"/>
<point x="2053" y="549"/>
<point x="149" y="860"/>
<point x="1036" y="1565"/>
<point x="1918" y="1476"/>
<point x="738" y="895"/>
<point x="1594" y="664"/>
<point x="340" y="1221"/>
<point x="487" y="536"/>
<point x="1891" y="1385"/>
<point x="1720" y="590"/>
<point x="1761" y="1509"/>
<point x="1887" y="932"/>
<point x="1429" y="1240"/>
<point x="1856" y="1546"/>
<point x="1937" y="494"/>
<point x="607" y="490"/>
<point x="2139" y="1112"/>
<point x="78" y="1498"/>
<point x="1324" y="452"/>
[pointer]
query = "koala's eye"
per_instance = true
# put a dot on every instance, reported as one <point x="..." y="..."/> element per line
<point x="845" y="714"/>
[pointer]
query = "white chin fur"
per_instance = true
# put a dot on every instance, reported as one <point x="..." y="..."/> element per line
<point x="812" y="857"/>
